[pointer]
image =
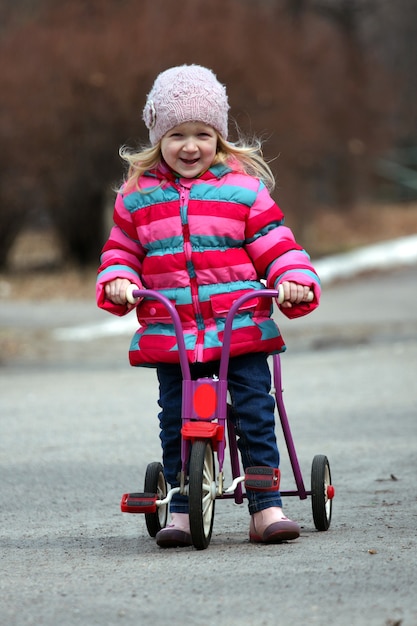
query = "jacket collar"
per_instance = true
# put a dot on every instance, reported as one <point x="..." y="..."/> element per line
<point x="163" y="172"/>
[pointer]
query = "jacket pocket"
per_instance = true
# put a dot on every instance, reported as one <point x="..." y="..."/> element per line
<point x="153" y="312"/>
<point x="222" y="303"/>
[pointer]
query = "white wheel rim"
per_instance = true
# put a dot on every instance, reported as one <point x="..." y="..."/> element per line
<point x="328" y="502"/>
<point x="161" y="492"/>
<point x="208" y="490"/>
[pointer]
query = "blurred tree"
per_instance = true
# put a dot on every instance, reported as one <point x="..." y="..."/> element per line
<point x="392" y="34"/>
<point x="305" y="74"/>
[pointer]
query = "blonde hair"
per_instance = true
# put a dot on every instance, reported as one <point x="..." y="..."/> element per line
<point x="244" y="156"/>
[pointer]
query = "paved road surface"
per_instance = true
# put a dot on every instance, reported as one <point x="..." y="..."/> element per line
<point x="78" y="428"/>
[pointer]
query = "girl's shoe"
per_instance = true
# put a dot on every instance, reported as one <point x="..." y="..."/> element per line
<point x="263" y="528"/>
<point x="176" y="534"/>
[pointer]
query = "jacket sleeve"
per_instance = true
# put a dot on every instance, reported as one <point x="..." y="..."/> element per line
<point x="276" y="255"/>
<point x="121" y="257"/>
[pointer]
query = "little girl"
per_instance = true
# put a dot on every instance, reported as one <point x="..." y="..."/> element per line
<point x="195" y="221"/>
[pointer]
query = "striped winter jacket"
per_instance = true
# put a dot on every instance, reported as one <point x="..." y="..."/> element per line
<point x="202" y="243"/>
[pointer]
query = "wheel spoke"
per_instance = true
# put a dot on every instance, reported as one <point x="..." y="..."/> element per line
<point x="206" y="510"/>
<point x="207" y="475"/>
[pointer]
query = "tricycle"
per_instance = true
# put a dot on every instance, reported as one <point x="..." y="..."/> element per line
<point x="207" y="432"/>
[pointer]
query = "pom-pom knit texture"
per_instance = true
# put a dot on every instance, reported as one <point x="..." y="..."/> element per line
<point x="187" y="93"/>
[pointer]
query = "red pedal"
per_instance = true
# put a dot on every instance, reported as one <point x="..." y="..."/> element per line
<point x="138" y="503"/>
<point x="262" y="478"/>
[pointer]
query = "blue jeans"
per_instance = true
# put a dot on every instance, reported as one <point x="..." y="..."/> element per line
<point x="253" y="416"/>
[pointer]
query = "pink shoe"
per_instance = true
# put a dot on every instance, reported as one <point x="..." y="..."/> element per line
<point x="176" y="534"/>
<point x="171" y="537"/>
<point x="283" y="529"/>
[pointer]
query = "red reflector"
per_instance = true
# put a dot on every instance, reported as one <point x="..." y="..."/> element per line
<point x="330" y="492"/>
<point x="205" y="400"/>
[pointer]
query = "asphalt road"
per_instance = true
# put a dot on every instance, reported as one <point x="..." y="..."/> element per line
<point x="78" y="427"/>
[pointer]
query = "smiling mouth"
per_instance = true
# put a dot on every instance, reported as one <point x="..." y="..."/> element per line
<point x="190" y="161"/>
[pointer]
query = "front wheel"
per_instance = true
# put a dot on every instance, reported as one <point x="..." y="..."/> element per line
<point x="202" y="493"/>
<point x="321" y="492"/>
<point x="155" y="483"/>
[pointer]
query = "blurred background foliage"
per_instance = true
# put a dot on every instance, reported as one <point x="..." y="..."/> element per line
<point x="330" y="85"/>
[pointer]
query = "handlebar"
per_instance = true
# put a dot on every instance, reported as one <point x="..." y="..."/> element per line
<point x="132" y="297"/>
<point x="133" y="294"/>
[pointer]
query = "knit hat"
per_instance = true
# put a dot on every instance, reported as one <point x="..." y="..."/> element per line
<point x="187" y="93"/>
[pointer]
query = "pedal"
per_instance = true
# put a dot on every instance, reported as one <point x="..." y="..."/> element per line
<point x="262" y="478"/>
<point x="138" y="503"/>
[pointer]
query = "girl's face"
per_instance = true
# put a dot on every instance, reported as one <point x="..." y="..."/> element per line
<point x="189" y="148"/>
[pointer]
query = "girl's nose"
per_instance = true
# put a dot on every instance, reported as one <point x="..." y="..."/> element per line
<point x="190" y="145"/>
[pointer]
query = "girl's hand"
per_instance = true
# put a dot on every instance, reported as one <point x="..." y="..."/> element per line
<point x="295" y="294"/>
<point x="116" y="290"/>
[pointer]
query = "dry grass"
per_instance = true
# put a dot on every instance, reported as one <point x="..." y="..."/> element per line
<point x="37" y="271"/>
<point x="36" y="266"/>
<point x="334" y="232"/>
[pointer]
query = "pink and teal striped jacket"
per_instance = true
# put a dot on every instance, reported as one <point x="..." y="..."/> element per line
<point x="202" y="243"/>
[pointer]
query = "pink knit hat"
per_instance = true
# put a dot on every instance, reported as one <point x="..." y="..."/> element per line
<point x="187" y="93"/>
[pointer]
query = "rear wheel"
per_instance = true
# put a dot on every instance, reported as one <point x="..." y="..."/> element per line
<point x="155" y="483"/>
<point x="202" y="493"/>
<point x="321" y="492"/>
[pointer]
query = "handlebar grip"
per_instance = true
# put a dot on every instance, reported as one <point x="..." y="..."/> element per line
<point x="280" y="297"/>
<point x="129" y="293"/>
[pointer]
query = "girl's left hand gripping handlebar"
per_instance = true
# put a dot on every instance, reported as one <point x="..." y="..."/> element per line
<point x="281" y="298"/>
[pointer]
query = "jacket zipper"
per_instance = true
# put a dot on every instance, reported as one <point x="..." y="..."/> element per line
<point x="184" y="197"/>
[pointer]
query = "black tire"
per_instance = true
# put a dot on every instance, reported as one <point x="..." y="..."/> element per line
<point x="321" y="504"/>
<point x="155" y="483"/>
<point x="202" y="493"/>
